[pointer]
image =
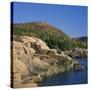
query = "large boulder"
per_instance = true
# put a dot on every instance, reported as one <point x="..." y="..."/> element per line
<point x="34" y="42"/>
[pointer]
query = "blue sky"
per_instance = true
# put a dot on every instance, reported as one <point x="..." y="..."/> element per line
<point x="70" y="19"/>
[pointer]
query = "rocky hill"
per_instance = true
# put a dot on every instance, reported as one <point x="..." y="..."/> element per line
<point x="33" y="60"/>
<point x="40" y="50"/>
<point x="83" y="39"/>
<point x="53" y="37"/>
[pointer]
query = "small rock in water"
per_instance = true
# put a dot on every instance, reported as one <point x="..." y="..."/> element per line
<point x="78" y="67"/>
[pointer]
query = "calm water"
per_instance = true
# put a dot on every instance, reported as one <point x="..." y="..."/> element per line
<point x="67" y="78"/>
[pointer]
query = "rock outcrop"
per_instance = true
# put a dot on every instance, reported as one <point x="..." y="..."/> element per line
<point x="33" y="60"/>
<point x="77" y="53"/>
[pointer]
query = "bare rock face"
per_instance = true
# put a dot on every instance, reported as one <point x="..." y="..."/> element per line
<point x="24" y="64"/>
<point x="34" y="42"/>
<point x="32" y="60"/>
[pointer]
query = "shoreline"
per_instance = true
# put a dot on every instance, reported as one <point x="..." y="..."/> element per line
<point x="79" y="57"/>
<point x="61" y="75"/>
<point x="39" y="61"/>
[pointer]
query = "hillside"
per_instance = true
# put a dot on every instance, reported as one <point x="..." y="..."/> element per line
<point x="37" y="48"/>
<point x="54" y="37"/>
<point x="83" y="39"/>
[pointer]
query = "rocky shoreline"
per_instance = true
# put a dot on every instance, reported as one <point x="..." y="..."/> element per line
<point x="33" y="60"/>
<point x="77" y="53"/>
